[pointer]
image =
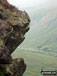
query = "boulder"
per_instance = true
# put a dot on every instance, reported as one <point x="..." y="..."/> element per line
<point x="14" y="24"/>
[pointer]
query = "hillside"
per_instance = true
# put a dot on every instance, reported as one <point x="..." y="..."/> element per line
<point x="39" y="49"/>
<point x="36" y="61"/>
<point x="42" y="34"/>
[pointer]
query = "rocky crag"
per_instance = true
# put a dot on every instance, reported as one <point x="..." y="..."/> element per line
<point x="13" y="26"/>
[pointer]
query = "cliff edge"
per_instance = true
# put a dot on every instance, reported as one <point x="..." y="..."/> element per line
<point x="14" y="24"/>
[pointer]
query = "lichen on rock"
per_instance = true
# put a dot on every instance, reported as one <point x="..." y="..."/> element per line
<point x="14" y="24"/>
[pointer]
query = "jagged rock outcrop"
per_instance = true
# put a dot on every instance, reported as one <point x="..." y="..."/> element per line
<point x="13" y="26"/>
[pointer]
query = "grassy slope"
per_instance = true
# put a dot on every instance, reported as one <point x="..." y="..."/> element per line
<point x="42" y="36"/>
<point x="43" y="31"/>
<point x="36" y="61"/>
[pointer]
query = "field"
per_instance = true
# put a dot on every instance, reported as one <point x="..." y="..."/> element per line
<point x="36" y="61"/>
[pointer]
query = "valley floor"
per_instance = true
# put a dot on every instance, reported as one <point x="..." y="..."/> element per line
<point x="36" y="61"/>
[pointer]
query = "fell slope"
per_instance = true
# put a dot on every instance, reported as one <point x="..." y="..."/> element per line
<point x="39" y="49"/>
<point x="43" y="32"/>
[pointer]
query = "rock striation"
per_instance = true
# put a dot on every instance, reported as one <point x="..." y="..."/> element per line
<point x="14" y="24"/>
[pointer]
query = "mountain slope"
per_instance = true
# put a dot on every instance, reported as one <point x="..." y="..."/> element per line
<point x="43" y="31"/>
<point x="39" y="49"/>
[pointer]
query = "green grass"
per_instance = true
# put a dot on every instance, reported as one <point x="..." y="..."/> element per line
<point x="36" y="61"/>
<point x="42" y="36"/>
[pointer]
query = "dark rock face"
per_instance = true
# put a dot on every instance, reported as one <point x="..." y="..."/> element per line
<point x="15" y="68"/>
<point x="13" y="26"/>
